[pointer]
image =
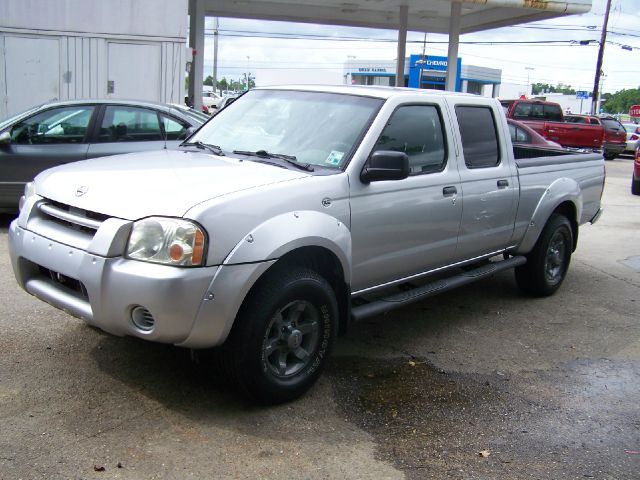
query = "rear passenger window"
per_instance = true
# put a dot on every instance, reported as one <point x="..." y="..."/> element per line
<point x="575" y="119"/>
<point x="479" y="136"/>
<point x="129" y="124"/>
<point x="417" y="131"/>
<point x="553" y="113"/>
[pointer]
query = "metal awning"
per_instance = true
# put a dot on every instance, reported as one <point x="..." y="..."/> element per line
<point x="423" y="15"/>
<point x="452" y="17"/>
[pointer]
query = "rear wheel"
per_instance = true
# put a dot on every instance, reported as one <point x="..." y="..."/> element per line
<point x="635" y="186"/>
<point x="548" y="262"/>
<point x="283" y="335"/>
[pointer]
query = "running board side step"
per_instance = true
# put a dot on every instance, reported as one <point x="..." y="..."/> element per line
<point x="399" y="300"/>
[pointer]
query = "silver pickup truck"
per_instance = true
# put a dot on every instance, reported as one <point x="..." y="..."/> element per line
<point x="295" y="211"/>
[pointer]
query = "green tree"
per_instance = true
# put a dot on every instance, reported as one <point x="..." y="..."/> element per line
<point x="538" y="88"/>
<point x="541" y="88"/>
<point x="621" y="101"/>
<point x="223" y="84"/>
<point x="208" y="81"/>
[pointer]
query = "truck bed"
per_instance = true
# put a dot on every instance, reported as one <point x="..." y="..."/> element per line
<point x="555" y="174"/>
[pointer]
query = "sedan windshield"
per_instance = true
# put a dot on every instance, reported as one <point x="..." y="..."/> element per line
<point x="14" y="118"/>
<point x="312" y="128"/>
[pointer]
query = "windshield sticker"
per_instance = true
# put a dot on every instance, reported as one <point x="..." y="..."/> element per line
<point x="334" y="158"/>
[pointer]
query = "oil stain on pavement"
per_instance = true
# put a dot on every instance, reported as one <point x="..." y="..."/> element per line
<point x="580" y="420"/>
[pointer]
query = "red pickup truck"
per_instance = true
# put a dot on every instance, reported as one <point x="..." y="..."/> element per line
<point x="547" y="119"/>
<point x="615" y="136"/>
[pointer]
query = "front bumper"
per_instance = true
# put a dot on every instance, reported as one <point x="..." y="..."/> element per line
<point x="191" y="307"/>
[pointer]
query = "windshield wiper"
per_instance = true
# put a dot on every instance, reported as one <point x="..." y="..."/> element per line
<point x="216" y="150"/>
<point x="290" y="159"/>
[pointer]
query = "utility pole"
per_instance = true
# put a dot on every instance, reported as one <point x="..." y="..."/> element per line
<point x="529" y="89"/>
<point x="248" y="72"/>
<point x="215" y="54"/>
<point x="595" y="99"/>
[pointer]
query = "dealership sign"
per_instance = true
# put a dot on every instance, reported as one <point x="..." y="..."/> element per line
<point x="634" y="111"/>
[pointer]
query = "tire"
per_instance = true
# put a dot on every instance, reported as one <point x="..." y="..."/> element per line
<point x="282" y="336"/>
<point x="635" y="186"/>
<point x="609" y="156"/>
<point x="548" y="262"/>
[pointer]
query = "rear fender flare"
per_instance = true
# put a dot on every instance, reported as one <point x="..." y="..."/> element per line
<point x="560" y="191"/>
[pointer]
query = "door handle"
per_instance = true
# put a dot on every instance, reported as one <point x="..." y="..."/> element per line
<point x="449" y="191"/>
<point x="503" y="183"/>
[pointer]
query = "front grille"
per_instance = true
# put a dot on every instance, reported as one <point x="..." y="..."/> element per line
<point x="72" y="217"/>
<point x="65" y="282"/>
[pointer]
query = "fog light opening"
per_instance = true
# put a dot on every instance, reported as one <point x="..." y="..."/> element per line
<point x="142" y="319"/>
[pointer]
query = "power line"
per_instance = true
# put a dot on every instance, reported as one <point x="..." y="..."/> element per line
<point x="521" y="43"/>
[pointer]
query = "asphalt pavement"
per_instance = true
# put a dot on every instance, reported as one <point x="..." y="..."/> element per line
<point x="478" y="383"/>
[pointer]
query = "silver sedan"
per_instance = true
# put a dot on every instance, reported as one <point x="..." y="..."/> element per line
<point x="66" y="131"/>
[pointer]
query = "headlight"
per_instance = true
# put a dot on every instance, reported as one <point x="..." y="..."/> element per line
<point x="29" y="190"/>
<point x="170" y="241"/>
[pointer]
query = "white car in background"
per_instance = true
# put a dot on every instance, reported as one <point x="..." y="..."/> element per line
<point x="211" y="100"/>
<point x="633" y="135"/>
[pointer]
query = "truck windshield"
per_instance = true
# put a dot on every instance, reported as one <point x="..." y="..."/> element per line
<point x="316" y="128"/>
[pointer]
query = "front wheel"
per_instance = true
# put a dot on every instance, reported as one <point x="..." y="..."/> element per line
<point x="283" y="335"/>
<point x="548" y="262"/>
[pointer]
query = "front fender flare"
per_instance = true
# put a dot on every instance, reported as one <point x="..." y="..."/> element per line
<point x="289" y="231"/>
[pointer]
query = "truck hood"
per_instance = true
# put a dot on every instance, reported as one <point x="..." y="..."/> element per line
<point x="164" y="182"/>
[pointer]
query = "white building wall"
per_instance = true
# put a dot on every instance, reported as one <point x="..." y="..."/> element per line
<point x="146" y="18"/>
<point x="266" y="77"/>
<point x="60" y="50"/>
<point x="511" y="91"/>
<point x="569" y="103"/>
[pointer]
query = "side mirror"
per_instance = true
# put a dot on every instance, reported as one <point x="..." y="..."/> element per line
<point x="5" y="138"/>
<point x="385" y="165"/>
<point x="190" y="131"/>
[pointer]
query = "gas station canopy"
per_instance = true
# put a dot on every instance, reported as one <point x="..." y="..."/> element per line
<point x="423" y="15"/>
<point x="452" y="17"/>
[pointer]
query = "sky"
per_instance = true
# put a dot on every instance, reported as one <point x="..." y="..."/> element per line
<point x="248" y="45"/>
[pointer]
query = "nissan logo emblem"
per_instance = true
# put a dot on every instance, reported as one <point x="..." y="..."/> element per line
<point x="80" y="191"/>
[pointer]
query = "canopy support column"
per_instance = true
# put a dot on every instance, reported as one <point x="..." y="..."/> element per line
<point x="402" y="45"/>
<point x="454" y="41"/>
<point x="196" y="43"/>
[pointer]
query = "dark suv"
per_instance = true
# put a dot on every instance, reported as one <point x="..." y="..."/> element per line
<point x="615" y="137"/>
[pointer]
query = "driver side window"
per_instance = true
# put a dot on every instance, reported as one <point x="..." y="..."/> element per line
<point x="417" y="131"/>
